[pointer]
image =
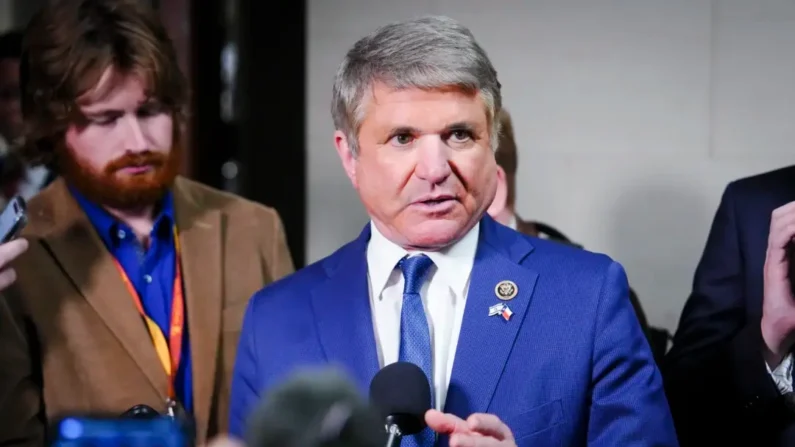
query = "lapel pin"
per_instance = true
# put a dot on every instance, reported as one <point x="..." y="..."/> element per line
<point x="506" y="290"/>
<point x="501" y="309"/>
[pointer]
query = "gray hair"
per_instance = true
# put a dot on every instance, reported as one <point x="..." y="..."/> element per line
<point x="428" y="53"/>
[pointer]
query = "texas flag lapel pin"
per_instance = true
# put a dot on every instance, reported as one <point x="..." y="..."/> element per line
<point x="501" y="309"/>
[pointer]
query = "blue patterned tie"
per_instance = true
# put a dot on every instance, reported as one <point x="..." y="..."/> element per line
<point x="415" y="335"/>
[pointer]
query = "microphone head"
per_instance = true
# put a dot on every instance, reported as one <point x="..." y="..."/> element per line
<point x="318" y="408"/>
<point x="402" y="394"/>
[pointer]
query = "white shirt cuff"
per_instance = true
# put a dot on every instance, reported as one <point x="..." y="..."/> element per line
<point x="782" y="375"/>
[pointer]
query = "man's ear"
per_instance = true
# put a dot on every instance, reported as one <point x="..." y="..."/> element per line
<point x="347" y="156"/>
<point x="500" y="201"/>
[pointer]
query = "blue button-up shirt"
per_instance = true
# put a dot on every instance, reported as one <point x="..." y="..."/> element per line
<point x="151" y="272"/>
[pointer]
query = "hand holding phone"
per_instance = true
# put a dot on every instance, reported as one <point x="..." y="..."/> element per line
<point x="8" y="252"/>
<point x="12" y="221"/>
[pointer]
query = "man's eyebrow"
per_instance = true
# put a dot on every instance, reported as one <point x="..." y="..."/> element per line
<point x="403" y="130"/>
<point x="103" y="112"/>
<point x="151" y="102"/>
<point x="461" y="125"/>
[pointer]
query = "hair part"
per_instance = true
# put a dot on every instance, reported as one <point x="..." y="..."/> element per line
<point x="428" y="53"/>
<point x="70" y="44"/>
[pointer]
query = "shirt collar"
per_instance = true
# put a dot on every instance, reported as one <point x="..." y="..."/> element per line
<point x="453" y="264"/>
<point x="108" y="226"/>
<point x="512" y="223"/>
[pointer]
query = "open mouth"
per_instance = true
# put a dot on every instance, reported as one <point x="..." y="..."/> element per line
<point x="436" y="204"/>
<point x="437" y="201"/>
<point x="135" y="170"/>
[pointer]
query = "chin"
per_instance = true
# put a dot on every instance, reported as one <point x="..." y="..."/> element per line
<point x="435" y="233"/>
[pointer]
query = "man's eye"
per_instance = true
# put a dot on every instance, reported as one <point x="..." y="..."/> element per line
<point x="402" y="139"/>
<point x="150" y="110"/>
<point x="460" y="136"/>
<point x="104" y="121"/>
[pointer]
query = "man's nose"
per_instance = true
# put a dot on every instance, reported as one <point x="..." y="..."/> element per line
<point x="433" y="163"/>
<point x="134" y="136"/>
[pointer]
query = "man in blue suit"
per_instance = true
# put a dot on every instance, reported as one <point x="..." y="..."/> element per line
<point x="524" y="342"/>
<point x="729" y="372"/>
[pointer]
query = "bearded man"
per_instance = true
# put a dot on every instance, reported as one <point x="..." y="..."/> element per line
<point x="133" y="289"/>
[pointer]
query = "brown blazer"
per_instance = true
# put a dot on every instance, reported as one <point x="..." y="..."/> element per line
<point x="71" y="339"/>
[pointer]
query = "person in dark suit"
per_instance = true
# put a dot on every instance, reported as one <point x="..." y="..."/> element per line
<point x="729" y="373"/>
<point x="523" y="341"/>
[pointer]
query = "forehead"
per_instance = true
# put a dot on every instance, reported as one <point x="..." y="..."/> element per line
<point x="421" y="108"/>
<point x="114" y="91"/>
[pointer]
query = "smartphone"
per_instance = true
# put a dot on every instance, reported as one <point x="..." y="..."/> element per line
<point x="13" y="219"/>
<point x="99" y="431"/>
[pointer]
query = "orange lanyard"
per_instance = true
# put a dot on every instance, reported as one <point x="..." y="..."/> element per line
<point x="168" y="352"/>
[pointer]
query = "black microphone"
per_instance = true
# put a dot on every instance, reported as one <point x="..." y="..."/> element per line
<point x="402" y="394"/>
<point x="315" y="409"/>
<point x="141" y="412"/>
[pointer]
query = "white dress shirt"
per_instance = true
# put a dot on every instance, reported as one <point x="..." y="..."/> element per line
<point x="782" y="375"/>
<point x="443" y="296"/>
<point x="512" y="223"/>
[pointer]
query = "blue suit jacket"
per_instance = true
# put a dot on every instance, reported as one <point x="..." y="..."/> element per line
<point x="571" y="367"/>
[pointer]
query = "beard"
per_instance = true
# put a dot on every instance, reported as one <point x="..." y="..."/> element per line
<point x="113" y="188"/>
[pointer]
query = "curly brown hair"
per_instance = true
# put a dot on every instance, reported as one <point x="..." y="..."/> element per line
<point x="68" y="46"/>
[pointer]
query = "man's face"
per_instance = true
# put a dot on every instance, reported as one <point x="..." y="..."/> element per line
<point x="121" y="154"/>
<point x="10" y="110"/>
<point x="425" y="170"/>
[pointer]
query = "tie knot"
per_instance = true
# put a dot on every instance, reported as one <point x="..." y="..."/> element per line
<point x="414" y="268"/>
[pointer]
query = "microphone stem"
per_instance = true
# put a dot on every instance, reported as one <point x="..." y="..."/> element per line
<point x="394" y="436"/>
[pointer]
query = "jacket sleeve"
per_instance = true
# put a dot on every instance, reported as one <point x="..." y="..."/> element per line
<point x="628" y="404"/>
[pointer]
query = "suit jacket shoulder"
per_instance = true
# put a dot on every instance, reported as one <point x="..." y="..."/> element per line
<point x="255" y="222"/>
<point x="236" y="207"/>
<point x="769" y="189"/>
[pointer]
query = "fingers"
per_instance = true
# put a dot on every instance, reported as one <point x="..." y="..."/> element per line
<point x="479" y="430"/>
<point x="224" y="441"/>
<point x="782" y="231"/>
<point x="8" y="252"/>
<point x="445" y="423"/>
<point x="782" y="225"/>
<point x="7" y="277"/>
<point x="475" y="440"/>
<point x="11" y="250"/>
<point x="489" y="425"/>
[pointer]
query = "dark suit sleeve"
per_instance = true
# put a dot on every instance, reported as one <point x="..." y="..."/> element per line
<point x="628" y="404"/>
<point x="245" y="392"/>
<point x="21" y="415"/>
<point x="716" y="379"/>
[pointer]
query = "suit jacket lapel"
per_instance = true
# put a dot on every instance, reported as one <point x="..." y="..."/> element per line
<point x="89" y="265"/>
<point x="200" y="238"/>
<point x="485" y="342"/>
<point x="342" y="311"/>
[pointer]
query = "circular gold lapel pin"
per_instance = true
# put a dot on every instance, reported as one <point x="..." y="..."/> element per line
<point x="506" y="290"/>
